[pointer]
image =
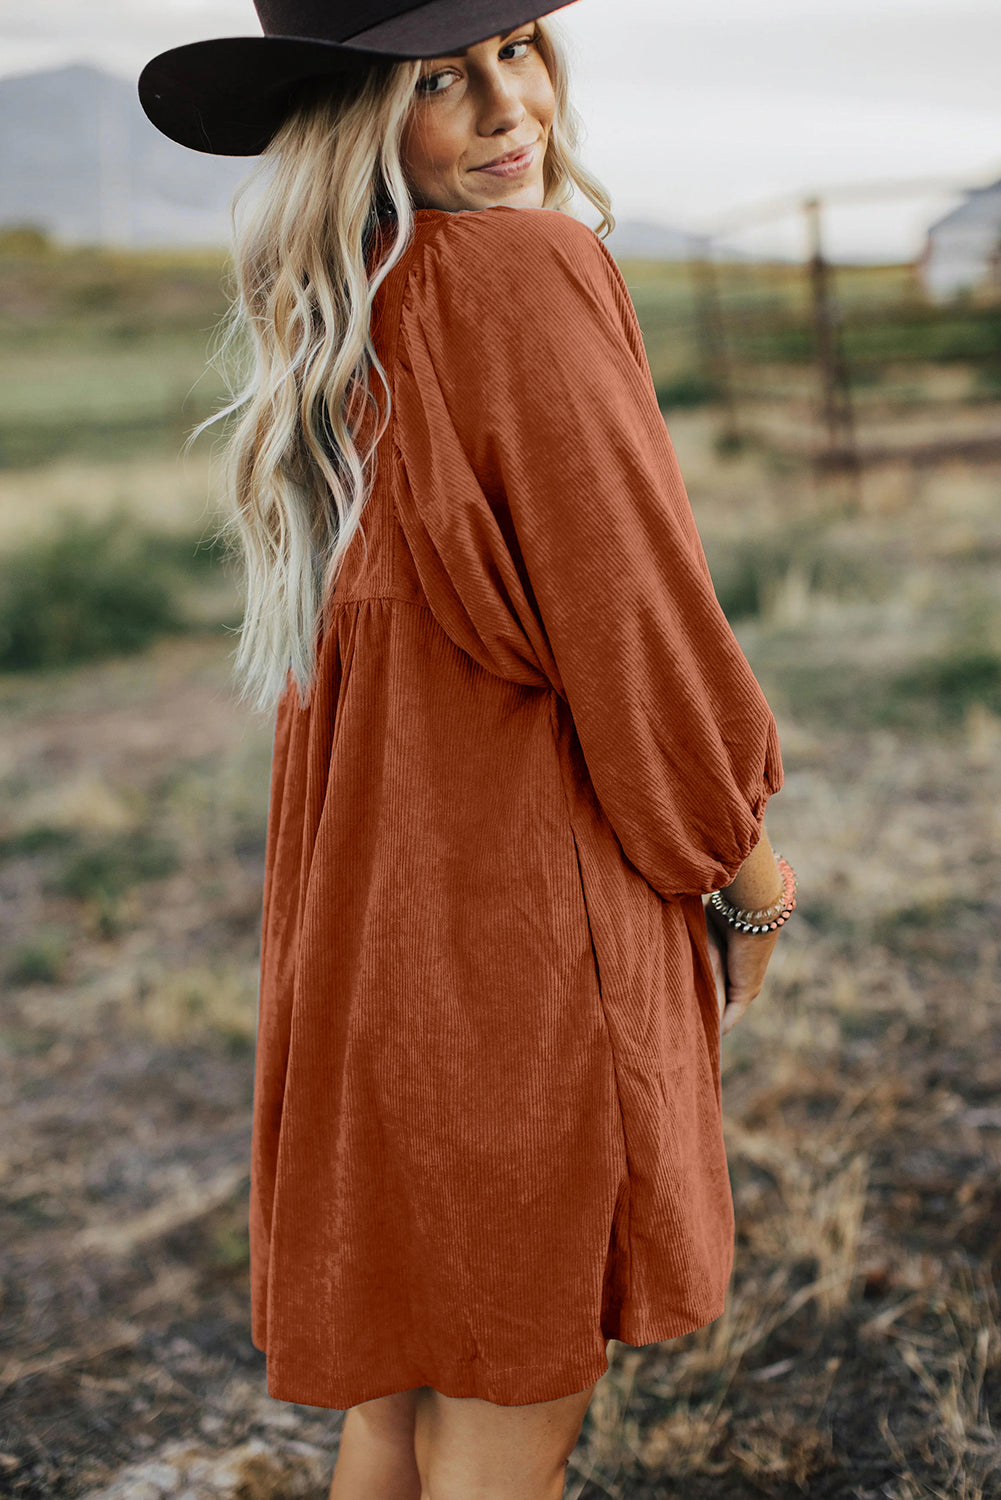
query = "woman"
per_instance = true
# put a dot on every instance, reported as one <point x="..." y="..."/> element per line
<point x="516" y="743"/>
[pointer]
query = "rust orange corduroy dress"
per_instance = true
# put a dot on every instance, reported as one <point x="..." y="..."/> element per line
<point x="487" y="1116"/>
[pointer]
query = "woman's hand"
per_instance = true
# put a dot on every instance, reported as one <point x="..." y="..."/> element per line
<point x="739" y="961"/>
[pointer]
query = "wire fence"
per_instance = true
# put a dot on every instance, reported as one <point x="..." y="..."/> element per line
<point x="840" y="368"/>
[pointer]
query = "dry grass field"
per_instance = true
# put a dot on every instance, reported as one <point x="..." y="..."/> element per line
<point x="860" y="1354"/>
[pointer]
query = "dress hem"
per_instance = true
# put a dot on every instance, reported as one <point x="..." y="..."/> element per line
<point x="473" y="1378"/>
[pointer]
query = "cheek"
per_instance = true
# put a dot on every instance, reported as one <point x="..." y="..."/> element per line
<point x="423" y="145"/>
<point x="543" y="99"/>
<point x="434" y="142"/>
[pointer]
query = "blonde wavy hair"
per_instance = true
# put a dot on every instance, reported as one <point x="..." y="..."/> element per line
<point x="296" y="348"/>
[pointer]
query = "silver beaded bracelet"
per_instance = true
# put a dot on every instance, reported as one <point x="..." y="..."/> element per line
<point x="768" y="918"/>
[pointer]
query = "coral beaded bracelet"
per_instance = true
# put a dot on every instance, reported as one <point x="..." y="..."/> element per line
<point x="769" y="917"/>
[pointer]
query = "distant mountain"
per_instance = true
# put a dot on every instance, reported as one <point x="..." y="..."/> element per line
<point x="645" y="239"/>
<point x="81" y="160"/>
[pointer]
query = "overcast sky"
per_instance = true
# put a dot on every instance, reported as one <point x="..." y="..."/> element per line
<point x="694" y="110"/>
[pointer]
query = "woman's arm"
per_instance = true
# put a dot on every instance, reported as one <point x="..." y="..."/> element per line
<point x="542" y="501"/>
<point x="757" y="883"/>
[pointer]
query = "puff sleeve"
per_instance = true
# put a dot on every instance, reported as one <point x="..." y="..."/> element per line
<point x="541" y="499"/>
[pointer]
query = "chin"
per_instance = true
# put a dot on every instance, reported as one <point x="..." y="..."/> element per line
<point x="529" y="195"/>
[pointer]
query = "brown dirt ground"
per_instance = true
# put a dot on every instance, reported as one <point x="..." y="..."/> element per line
<point x="860" y="1356"/>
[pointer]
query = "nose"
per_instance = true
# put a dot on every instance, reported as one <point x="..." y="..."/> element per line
<point x="499" y="109"/>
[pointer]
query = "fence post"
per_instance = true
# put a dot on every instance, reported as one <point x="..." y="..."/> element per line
<point x="841" y="454"/>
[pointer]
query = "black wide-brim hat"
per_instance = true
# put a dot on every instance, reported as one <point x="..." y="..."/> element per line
<point x="229" y="95"/>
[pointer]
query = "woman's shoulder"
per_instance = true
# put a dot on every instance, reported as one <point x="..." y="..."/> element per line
<point x="506" y="223"/>
<point x="523" y="288"/>
<point x="504" y="242"/>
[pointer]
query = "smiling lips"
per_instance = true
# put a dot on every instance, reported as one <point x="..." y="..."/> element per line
<point x="512" y="163"/>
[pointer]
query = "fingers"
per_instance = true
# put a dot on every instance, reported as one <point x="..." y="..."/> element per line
<point x="746" y="960"/>
<point x="739" y="998"/>
<point x="739" y="961"/>
<point x="731" y="1015"/>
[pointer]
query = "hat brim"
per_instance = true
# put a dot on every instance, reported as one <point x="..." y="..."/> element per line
<point x="228" y="96"/>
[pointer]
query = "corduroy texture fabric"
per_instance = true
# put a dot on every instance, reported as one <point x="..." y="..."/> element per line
<point x="487" y="1113"/>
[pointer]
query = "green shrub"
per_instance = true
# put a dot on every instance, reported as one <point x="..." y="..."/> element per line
<point x="35" y="840"/>
<point x="743" y="576"/>
<point x="946" y="686"/>
<point x="739" y="585"/>
<point x="44" y="438"/>
<point x="686" y="391"/>
<point x="101" y="871"/>
<point x="39" y="960"/>
<point x="929" y="929"/>
<point x="986" y="384"/>
<point x="933" y="695"/>
<point x="229" y="1246"/>
<point x="91" y="589"/>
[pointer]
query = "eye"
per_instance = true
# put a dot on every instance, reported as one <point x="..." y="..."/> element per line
<point x="426" y="81"/>
<point x="525" y="41"/>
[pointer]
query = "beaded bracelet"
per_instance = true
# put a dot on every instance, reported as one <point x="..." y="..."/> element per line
<point x="744" y="921"/>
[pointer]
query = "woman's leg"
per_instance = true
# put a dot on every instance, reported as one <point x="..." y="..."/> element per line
<point x="420" y="1445"/>
<point x="468" y="1449"/>
<point x="375" y="1460"/>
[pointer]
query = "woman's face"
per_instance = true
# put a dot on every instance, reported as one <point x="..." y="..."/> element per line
<point x="493" y="99"/>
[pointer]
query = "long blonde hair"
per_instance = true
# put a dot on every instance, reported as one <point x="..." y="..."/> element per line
<point x="296" y="347"/>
